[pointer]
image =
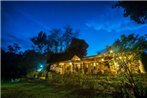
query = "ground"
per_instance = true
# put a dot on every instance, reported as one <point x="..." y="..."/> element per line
<point x="51" y="89"/>
<point x="33" y="89"/>
<point x="36" y="89"/>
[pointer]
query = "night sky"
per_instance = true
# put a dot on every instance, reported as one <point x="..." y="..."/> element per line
<point x="99" y="24"/>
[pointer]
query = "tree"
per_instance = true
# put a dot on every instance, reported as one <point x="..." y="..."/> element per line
<point x="132" y="42"/>
<point x="77" y="47"/>
<point x="68" y="35"/>
<point x="136" y="10"/>
<point x="56" y="40"/>
<point x="40" y="41"/>
<point x="128" y="51"/>
<point x="13" y="48"/>
<point x="10" y="65"/>
<point x="108" y="48"/>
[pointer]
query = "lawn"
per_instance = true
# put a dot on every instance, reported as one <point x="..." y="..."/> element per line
<point x="44" y="89"/>
<point x="39" y="89"/>
<point x="104" y="87"/>
<point x="33" y="89"/>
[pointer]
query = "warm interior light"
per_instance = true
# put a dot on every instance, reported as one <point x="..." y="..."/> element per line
<point x="111" y="51"/>
<point x="70" y="63"/>
<point x="94" y="64"/>
<point x="102" y="59"/>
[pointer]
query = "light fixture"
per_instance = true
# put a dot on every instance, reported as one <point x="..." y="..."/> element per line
<point x="102" y="59"/>
<point x="111" y="51"/>
<point x="120" y="57"/>
<point x="41" y="66"/>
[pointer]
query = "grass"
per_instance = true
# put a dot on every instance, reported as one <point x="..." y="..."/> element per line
<point x="33" y="89"/>
<point x="38" y="89"/>
<point x="103" y="88"/>
<point x="44" y="89"/>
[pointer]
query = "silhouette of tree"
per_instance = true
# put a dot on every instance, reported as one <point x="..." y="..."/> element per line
<point x="59" y="40"/>
<point x="50" y="45"/>
<point x="136" y="10"/>
<point x="32" y="59"/>
<point x="77" y="47"/>
<point x="68" y="35"/>
<point x="13" y="48"/>
<point x="10" y="65"/>
<point x="55" y="39"/>
<point x="40" y="41"/>
<point x="131" y="42"/>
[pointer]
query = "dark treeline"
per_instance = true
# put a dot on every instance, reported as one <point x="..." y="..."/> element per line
<point x="65" y="43"/>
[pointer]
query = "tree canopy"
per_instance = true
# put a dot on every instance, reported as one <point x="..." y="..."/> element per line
<point x="136" y="10"/>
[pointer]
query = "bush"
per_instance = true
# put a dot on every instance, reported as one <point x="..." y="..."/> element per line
<point x="116" y="85"/>
<point x="32" y="74"/>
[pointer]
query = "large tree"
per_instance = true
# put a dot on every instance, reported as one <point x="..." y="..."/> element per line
<point x="58" y="41"/>
<point x="129" y="50"/>
<point x="136" y="10"/>
<point x="132" y="42"/>
<point x="40" y="41"/>
<point x="55" y="40"/>
<point x="77" y="47"/>
<point x="32" y="60"/>
<point x="68" y="35"/>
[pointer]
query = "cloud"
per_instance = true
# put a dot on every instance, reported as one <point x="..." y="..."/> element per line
<point x="112" y="20"/>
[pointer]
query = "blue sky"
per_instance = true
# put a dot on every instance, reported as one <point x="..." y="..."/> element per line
<point x="99" y="24"/>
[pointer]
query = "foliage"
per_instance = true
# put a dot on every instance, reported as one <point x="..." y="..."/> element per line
<point x="130" y="49"/>
<point x="137" y="11"/>
<point x="56" y="42"/>
<point x="14" y="48"/>
<point x="116" y="85"/>
<point x="10" y="65"/>
<point x="130" y="42"/>
<point x="20" y="64"/>
<point x="32" y="60"/>
<point x="68" y="35"/>
<point x="75" y="86"/>
<point x="40" y="41"/>
<point x="78" y="47"/>
<point x="144" y="61"/>
<point x="32" y="74"/>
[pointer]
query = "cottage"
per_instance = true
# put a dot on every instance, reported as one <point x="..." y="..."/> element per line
<point x="102" y="63"/>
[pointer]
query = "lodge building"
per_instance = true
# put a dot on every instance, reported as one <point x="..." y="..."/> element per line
<point x="102" y="63"/>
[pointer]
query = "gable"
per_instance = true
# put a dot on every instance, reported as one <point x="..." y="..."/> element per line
<point x="75" y="57"/>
